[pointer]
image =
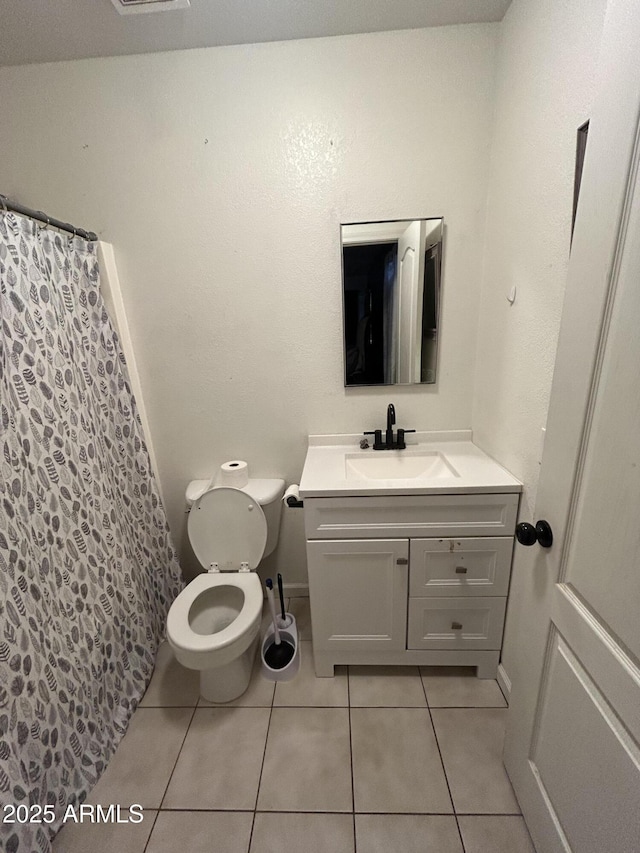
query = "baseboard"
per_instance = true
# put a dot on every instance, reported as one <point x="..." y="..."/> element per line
<point x="504" y="682"/>
<point x="296" y="590"/>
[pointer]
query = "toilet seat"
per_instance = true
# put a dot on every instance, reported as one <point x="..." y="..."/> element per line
<point x="190" y="646"/>
<point x="227" y="530"/>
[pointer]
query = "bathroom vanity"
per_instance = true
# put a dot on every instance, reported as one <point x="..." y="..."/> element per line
<point x="409" y="552"/>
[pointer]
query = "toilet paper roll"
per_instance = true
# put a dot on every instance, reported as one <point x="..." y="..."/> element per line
<point x="292" y="492"/>
<point x="234" y="473"/>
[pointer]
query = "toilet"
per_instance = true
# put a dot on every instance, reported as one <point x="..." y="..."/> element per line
<point x="214" y="623"/>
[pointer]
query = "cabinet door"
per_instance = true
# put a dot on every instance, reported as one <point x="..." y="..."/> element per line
<point x="358" y="593"/>
<point x="452" y="567"/>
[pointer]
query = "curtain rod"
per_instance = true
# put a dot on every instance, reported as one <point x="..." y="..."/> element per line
<point x="16" y="207"/>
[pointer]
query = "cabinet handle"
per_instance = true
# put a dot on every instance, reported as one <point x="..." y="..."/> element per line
<point x="461" y="570"/>
<point x="456" y="626"/>
<point x="402" y="561"/>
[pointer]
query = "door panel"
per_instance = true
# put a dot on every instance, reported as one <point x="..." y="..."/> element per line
<point x="609" y="485"/>
<point x="579" y="744"/>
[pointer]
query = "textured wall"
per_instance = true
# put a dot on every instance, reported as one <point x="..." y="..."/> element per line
<point x="545" y="85"/>
<point x="221" y="177"/>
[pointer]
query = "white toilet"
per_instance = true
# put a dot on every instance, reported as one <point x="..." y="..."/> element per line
<point x="214" y="624"/>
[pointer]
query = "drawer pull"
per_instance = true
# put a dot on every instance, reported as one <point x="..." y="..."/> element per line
<point x="402" y="561"/>
<point x="461" y="570"/>
<point x="456" y="626"/>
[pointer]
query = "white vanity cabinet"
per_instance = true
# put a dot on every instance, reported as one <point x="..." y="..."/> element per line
<point x="409" y="579"/>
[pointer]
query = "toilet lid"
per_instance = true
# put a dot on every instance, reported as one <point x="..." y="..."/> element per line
<point x="228" y="527"/>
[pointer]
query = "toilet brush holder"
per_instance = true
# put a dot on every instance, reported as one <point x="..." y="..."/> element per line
<point x="288" y="634"/>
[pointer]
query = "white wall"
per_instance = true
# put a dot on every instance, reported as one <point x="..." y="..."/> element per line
<point x="221" y="177"/>
<point x="547" y="57"/>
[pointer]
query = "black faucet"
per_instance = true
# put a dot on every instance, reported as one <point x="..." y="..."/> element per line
<point x="391" y="419"/>
<point x="389" y="443"/>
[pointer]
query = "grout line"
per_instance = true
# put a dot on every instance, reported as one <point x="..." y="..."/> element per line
<point x="353" y="790"/>
<point x="264" y="753"/>
<point x="359" y="707"/>
<point x="155" y="820"/>
<point x="333" y="811"/>
<point x="170" y="777"/>
<point x="424" y="690"/>
<point x="204" y="811"/>
<point x="489" y="814"/>
<point x="444" y="770"/>
<point x="468" y="707"/>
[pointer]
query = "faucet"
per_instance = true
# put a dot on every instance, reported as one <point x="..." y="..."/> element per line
<point x="391" y="419"/>
<point x="389" y="443"/>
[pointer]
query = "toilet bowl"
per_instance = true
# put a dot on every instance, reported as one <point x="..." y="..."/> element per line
<point x="214" y="623"/>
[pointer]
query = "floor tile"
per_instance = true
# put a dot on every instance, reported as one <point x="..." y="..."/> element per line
<point x="387" y="833"/>
<point x="300" y="609"/>
<point x="503" y="834"/>
<point x="201" y="832"/>
<point x="386" y="686"/>
<point x="259" y="693"/>
<point x="396" y="764"/>
<point x="98" y="837"/>
<point x="290" y="833"/>
<point x="219" y="765"/>
<point x="306" y="689"/>
<point x="172" y="684"/>
<point x="458" y="687"/>
<point x="471" y="740"/>
<point x="307" y="764"/>
<point x="141" y="767"/>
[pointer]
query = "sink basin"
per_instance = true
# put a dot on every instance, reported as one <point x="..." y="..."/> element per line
<point x="398" y="465"/>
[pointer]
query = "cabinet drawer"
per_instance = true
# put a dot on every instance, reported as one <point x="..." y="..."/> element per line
<point x="411" y="515"/>
<point x="431" y="620"/>
<point x="446" y="567"/>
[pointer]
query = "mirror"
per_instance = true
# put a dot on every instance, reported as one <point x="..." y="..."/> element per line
<point x="391" y="300"/>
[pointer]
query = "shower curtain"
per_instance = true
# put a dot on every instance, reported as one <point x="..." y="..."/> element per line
<point x="87" y="567"/>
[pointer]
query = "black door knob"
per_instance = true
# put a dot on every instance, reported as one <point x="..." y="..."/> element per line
<point x="527" y="534"/>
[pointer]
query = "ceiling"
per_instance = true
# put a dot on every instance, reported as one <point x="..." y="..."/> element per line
<point x="51" y="30"/>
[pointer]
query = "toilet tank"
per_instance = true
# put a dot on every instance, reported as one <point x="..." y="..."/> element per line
<point x="269" y="494"/>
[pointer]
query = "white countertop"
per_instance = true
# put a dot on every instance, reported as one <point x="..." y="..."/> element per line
<point x="325" y="468"/>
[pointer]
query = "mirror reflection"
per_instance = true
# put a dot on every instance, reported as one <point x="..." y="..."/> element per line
<point x="391" y="297"/>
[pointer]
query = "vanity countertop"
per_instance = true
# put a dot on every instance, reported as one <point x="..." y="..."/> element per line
<point x="432" y="463"/>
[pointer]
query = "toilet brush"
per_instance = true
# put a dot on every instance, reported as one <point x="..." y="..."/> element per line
<point x="279" y="653"/>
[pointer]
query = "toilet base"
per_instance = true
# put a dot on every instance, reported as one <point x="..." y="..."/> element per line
<point x="226" y="683"/>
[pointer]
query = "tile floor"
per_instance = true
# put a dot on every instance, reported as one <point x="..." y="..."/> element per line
<point x="374" y="760"/>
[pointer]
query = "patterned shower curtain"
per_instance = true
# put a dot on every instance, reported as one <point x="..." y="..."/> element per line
<point x="87" y="568"/>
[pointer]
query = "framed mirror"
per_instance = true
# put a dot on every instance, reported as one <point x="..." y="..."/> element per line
<point x="391" y="280"/>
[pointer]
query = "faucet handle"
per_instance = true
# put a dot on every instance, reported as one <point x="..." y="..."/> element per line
<point x="401" y="434"/>
<point x="377" y="441"/>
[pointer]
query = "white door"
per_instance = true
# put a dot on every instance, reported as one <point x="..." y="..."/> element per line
<point x="573" y="733"/>
<point x="409" y="309"/>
